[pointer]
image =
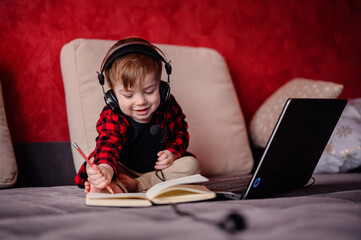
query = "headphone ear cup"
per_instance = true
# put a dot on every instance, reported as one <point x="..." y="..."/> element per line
<point x="112" y="101"/>
<point x="164" y="91"/>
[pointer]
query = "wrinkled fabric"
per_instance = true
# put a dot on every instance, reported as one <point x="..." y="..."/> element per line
<point x="330" y="209"/>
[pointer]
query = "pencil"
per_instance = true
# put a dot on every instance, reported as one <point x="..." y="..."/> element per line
<point x="90" y="164"/>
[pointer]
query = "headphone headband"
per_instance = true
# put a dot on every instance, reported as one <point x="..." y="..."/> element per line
<point x="133" y="47"/>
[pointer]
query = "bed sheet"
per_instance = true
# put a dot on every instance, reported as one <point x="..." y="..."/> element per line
<point x="330" y="209"/>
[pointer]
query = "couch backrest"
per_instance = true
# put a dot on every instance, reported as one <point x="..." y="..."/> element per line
<point x="202" y="85"/>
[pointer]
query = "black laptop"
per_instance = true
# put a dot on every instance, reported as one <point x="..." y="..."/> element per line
<point x="294" y="148"/>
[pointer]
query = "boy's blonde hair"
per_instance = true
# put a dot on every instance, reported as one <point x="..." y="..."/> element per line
<point x="129" y="68"/>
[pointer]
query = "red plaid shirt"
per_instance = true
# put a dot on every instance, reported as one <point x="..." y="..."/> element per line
<point x="112" y="130"/>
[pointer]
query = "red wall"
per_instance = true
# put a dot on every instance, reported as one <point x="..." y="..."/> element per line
<point x="265" y="43"/>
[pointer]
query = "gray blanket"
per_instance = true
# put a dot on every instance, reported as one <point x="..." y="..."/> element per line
<point x="330" y="209"/>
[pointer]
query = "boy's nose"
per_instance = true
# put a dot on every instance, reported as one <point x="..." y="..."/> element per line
<point x="141" y="100"/>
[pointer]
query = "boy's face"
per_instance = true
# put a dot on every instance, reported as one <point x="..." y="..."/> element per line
<point x="141" y="100"/>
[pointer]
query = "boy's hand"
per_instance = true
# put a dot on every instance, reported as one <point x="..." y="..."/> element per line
<point x="165" y="159"/>
<point x="100" y="175"/>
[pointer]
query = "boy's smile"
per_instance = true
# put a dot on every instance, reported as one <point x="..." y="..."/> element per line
<point x="139" y="101"/>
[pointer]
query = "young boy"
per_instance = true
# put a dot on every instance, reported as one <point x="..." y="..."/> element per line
<point x="144" y="139"/>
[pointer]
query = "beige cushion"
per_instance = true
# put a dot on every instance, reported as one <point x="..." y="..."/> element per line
<point x="266" y="117"/>
<point x="201" y="84"/>
<point x="8" y="166"/>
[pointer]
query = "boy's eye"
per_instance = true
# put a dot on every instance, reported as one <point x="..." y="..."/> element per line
<point x="149" y="91"/>
<point x="127" y="95"/>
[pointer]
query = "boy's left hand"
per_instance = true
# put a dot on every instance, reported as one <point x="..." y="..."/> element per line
<point x="165" y="159"/>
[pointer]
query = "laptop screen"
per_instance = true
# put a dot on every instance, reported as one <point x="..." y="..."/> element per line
<point x="295" y="146"/>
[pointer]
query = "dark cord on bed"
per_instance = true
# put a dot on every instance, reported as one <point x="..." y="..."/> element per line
<point x="232" y="223"/>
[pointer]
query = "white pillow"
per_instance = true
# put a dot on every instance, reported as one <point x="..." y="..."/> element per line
<point x="343" y="151"/>
<point x="8" y="166"/>
<point x="202" y="85"/>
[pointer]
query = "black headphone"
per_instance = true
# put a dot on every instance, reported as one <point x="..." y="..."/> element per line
<point x="134" y="47"/>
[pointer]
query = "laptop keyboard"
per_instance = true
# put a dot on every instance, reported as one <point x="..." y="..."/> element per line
<point x="234" y="184"/>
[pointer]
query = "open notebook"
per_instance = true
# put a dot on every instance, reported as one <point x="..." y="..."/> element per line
<point x="172" y="191"/>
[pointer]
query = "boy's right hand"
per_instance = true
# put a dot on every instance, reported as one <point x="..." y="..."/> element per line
<point x="100" y="175"/>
